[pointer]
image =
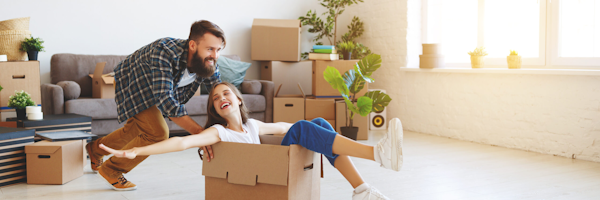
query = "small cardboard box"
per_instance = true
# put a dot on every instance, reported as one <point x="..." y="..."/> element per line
<point x="262" y="171"/>
<point x="276" y="39"/>
<point x="102" y="85"/>
<point x="321" y="88"/>
<point x="359" y="121"/>
<point x="54" y="162"/>
<point x="288" y="108"/>
<point x="17" y="76"/>
<point x="288" y="74"/>
<point x="324" y="108"/>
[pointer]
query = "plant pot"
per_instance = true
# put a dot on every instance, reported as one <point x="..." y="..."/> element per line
<point x="477" y="62"/>
<point x="21" y="115"/>
<point x="514" y="62"/>
<point x="350" y="132"/>
<point x="347" y="55"/>
<point x="32" y="55"/>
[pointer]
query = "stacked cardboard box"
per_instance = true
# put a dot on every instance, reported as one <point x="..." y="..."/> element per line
<point x="17" y="76"/>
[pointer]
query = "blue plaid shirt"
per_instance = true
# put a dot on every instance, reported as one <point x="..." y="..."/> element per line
<point x="150" y="76"/>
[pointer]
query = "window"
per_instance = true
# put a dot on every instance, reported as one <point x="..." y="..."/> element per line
<point x="546" y="33"/>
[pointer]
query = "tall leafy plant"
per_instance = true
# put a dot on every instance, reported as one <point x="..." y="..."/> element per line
<point x="353" y="81"/>
<point x="327" y="27"/>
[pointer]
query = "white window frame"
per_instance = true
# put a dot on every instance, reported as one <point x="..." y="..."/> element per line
<point x="553" y="58"/>
<point x="548" y="41"/>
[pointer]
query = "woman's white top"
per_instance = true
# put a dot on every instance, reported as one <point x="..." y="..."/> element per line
<point x="250" y="134"/>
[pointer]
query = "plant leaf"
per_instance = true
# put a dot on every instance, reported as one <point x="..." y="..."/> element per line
<point x="369" y="64"/>
<point x="364" y="104"/>
<point x="333" y="77"/>
<point x="380" y="100"/>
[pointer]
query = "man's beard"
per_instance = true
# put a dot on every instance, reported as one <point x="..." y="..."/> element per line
<point x="199" y="67"/>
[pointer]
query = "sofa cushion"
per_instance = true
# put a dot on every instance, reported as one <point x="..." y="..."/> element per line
<point x="251" y="87"/>
<point x="71" y="89"/>
<point x="107" y="108"/>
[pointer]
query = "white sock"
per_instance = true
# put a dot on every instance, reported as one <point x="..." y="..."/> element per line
<point x="361" y="188"/>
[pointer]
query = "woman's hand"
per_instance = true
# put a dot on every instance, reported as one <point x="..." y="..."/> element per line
<point x="119" y="153"/>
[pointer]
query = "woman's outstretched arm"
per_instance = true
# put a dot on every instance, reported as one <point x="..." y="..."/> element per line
<point x="273" y="128"/>
<point x="207" y="137"/>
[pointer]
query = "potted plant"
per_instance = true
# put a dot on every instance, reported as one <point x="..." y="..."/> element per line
<point x="514" y="60"/>
<point x="351" y="83"/>
<point x="326" y="27"/>
<point x="32" y="46"/>
<point x="19" y="101"/>
<point x="346" y="49"/>
<point x="477" y="57"/>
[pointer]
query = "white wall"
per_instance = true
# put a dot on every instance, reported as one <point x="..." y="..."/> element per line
<point x="119" y="27"/>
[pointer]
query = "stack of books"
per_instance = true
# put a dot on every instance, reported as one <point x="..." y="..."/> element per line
<point x="323" y="52"/>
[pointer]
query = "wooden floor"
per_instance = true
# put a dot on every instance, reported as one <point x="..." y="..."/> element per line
<point x="434" y="168"/>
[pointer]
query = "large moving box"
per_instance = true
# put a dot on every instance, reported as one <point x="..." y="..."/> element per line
<point x="103" y="85"/>
<point x="324" y="108"/>
<point x="54" y="162"/>
<point x="320" y="87"/>
<point x="288" y="74"/>
<point x="288" y="108"/>
<point x="262" y="171"/>
<point x="359" y="121"/>
<point x="276" y="39"/>
<point x="17" y="76"/>
<point x="12" y="154"/>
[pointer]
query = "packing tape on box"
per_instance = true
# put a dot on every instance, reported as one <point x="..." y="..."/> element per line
<point x="35" y="116"/>
<point x="33" y="109"/>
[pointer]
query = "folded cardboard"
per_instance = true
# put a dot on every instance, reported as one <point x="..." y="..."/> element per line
<point x="12" y="155"/>
<point x="54" y="162"/>
<point x="17" y="76"/>
<point x="288" y="108"/>
<point x="276" y="39"/>
<point x="102" y="84"/>
<point x="262" y="171"/>
<point x="359" y="121"/>
<point x="324" y="108"/>
<point x="288" y="74"/>
<point x="321" y="88"/>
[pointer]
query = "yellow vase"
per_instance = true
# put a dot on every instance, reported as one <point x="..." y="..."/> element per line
<point x="477" y="61"/>
<point x="514" y="61"/>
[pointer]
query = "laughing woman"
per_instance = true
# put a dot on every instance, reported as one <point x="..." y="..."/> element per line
<point x="228" y="121"/>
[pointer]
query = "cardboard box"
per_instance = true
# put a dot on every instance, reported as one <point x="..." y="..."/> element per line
<point x="288" y="108"/>
<point x="324" y="108"/>
<point x="12" y="155"/>
<point x="262" y="171"/>
<point x="54" y="162"/>
<point x="288" y="74"/>
<point x="359" y="121"/>
<point x="17" y="76"/>
<point x="276" y="39"/>
<point x="320" y="87"/>
<point x="103" y="85"/>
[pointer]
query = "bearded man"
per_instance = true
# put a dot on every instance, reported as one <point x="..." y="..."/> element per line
<point x="152" y="83"/>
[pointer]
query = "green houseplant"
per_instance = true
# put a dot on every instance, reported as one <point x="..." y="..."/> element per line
<point x="351" y="83"/>
<point x="32" y="46"/>
<point x="327" y="27"/>
<point x="477" y="57"/>
<point x="19" y="101"/>
<point x="346" y="49"/>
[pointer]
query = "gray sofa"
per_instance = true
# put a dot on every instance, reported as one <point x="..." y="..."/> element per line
<point x="76" y="68"/>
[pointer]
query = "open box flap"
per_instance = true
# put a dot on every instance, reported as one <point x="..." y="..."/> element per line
<point x="248" y="164"/>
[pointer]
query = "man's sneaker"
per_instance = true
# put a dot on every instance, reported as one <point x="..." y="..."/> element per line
<point x="388" y="151"/>
<point x="119" y="184"/>
<point x="95" y="162"/>
<point x="369" y="194"/>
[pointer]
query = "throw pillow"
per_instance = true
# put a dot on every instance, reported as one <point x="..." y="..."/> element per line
<point x="232" y="71"/>
<point x="251" y="87"/>
<point x="71" y="89"/>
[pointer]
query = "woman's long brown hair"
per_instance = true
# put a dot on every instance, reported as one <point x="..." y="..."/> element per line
<point x="214" y="117"/>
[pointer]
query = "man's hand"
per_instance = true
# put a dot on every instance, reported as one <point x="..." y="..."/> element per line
<point x="207" y="150"/>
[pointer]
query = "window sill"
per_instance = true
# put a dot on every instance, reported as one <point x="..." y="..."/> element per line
<point x="585" y="72"/>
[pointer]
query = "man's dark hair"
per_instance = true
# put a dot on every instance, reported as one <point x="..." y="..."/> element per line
<point x="199" y="28"/>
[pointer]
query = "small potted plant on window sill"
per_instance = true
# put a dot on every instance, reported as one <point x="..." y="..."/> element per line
<point x="477" y="55"/>
<point x="514" y="60"/>
<point x="32" y="46"/>
<point x="351" y="83"/>
<point x="19" y="101"/>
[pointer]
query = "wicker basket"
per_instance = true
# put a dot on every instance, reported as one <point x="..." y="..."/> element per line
<point x="10" y="43"/>
<point x="15" y="24"/>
